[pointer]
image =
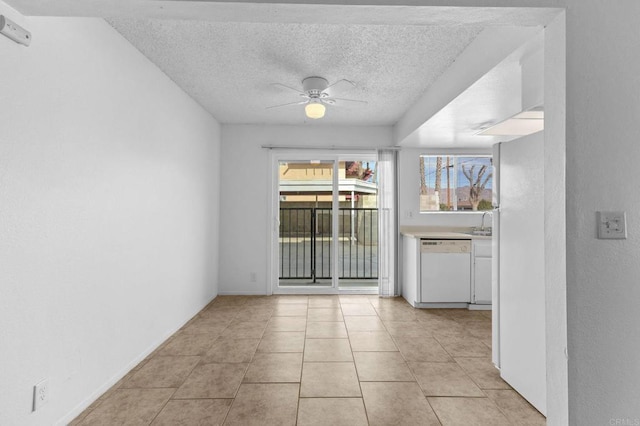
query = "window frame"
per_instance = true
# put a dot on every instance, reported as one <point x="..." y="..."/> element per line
<point x="455" y="182"/>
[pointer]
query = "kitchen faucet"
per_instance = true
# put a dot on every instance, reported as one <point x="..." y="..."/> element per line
<point x="483" y="215"/>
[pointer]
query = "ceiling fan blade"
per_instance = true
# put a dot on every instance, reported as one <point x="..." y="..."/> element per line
<point x="298" y="91"/>
<point x="287" y="104"/>
<point x="343" y="82"/>
<point x="339" y="101"/>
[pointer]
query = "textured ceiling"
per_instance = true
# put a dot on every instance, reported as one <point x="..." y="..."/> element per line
<point x="226" y="53"/>
<point x="228" y="67"/>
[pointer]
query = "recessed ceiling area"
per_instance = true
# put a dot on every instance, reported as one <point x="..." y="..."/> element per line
<point x="514" y="85"/>
<point x="496" y="94"/>
<point x="226" y="55"/>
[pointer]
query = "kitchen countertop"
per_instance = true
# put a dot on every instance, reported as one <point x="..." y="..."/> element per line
<point x="447" y="235"/>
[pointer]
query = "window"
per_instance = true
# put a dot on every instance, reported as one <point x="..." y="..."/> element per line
<point x="455" y="183"/>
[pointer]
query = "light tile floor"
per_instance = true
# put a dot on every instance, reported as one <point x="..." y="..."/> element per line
<point x="318" y="360"/>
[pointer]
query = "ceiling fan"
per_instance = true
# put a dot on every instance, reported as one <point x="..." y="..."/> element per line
<point x="315" y="96"/>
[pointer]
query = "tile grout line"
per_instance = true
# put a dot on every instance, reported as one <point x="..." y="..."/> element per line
<point x="241" y="315"/>
<point x="165" y="404"/>
<point x="226" y="416"/>
<point x="414" y="376"/>
<point x="304" y="345"/>
<point x="160" y="348"/>
<point x="366" y="412"/>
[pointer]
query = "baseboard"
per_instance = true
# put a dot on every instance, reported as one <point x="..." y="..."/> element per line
<point x="358" y="291"/>
<point x="242" y="293"/>
<point x="118" y="376"/>
<point x="439" y="305"/>
<point x="479" y="307"/>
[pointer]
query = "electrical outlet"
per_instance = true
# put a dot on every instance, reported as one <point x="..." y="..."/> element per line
<point x="40" y="394"/>
<point x="612" y="225"/>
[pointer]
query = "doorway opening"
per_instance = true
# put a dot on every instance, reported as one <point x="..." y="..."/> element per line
<point x="327" y="224"/>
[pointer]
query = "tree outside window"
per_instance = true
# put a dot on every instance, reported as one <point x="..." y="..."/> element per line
<point x="455" y="183"/>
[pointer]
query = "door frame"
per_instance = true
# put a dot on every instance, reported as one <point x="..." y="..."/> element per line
<point x="303" y="155"/>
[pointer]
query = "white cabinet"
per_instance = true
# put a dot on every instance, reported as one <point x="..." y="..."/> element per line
<point x="410" y="269"/>
<point x="475" y="294"/>
<point x="481" y="277"/>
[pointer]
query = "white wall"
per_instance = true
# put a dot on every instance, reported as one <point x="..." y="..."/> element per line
<point x="246" y="194"/>
<point x="409" y="192"/>
<point x="603" y="149"/>
<point x="555" y="221"/>
<point x="109" y="178"/>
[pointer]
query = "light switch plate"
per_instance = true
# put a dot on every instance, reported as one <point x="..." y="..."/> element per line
<point x="612" y="225"/>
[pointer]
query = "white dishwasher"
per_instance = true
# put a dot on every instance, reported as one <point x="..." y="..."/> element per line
<point x="445" y="271"/>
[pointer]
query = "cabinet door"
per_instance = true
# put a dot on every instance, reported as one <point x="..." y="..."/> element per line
<point x="482" y="280"/>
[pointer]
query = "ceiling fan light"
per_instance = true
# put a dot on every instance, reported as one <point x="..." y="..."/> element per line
<point x="314" y="110"/>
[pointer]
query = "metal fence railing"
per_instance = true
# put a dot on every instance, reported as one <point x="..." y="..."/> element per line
<point x="306" y="237"/>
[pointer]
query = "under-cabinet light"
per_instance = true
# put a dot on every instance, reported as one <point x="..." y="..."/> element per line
<point x="522" y="124"/>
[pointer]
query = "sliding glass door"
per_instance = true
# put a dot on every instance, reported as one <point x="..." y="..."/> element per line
<point x="305" y="237"/>
<point x="358" y="224"/>
<point x="326" y="223"/>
